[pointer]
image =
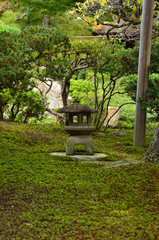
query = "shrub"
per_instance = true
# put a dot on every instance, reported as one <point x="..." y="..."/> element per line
<point x="82" y="91"/>
<point x="152" y="104"/>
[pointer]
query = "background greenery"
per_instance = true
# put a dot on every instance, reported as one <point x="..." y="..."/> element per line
<point x="64" y="19"/>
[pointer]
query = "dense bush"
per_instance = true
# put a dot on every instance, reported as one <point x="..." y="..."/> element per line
<point x="13" y="69"/>
<point x="21" y="55"/>
<point x="29" y="105"/>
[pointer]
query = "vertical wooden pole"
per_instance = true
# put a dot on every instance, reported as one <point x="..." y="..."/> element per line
<point x="143" y="74"/>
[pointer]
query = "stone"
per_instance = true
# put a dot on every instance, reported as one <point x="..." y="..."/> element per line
<point x="122" y="133"/>
<point x="118" y="133"/>
<point x="79" y="130"/>
<point x="101" y="134"/>
<point x="77" y="108"/>
<point x="97" y="157"/>
<point x="115" y="119"/>
<point x="85" y="140"/>
<point x="53" y="96"/>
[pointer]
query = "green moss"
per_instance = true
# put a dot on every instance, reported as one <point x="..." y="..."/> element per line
<point x="47" y="197"/>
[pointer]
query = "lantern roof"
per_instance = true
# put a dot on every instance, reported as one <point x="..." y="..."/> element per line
<point x="76" y="108"/>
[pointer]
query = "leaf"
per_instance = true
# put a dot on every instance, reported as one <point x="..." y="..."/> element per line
<point x="102" y="2"/>
<point x="134" y="8"/>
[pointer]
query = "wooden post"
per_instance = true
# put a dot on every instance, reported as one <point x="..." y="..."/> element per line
<point x="143" y="73"/>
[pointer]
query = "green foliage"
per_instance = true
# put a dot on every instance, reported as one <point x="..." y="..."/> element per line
<point x="12" y="63"/>
<point x="82" y="91"/>
<point x="48" y="7"/>
<point x="153" y="96"/>
<point x="5" y="97"/>
<point x="13" y="70"/>
<point x="30" y="105"/>
<point x="130" y="84"/>
<point x="35" y="48"/>
<point x="10" y="18"/>
<point x="118" y="61"/>
<point x="105" y="77"/>
<point x="24" y="54"/>
<point x="16" y="83"/>
<point x="7" y="28"/>
<point x="21" y="103"/>
<point x="8" y="21"/>
<point x="66" y="23"/>
<point x="41" y="40"/>
<point x="154" y="66"/>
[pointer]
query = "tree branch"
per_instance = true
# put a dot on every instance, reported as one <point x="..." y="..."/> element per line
<point x="22" y="16"/>
<point x="55" y="113"/>
<point x="116" y="112"/>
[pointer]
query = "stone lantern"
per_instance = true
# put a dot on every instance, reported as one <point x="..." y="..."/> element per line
<point x="79" y="127"/>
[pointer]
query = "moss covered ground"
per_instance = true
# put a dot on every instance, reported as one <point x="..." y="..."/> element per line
<point x="48" y="197"/>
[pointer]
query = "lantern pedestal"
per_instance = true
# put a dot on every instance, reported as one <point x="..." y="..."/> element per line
<point x="81" y="139"/>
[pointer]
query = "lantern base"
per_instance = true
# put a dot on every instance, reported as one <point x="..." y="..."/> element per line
<point x="85" y="140"/>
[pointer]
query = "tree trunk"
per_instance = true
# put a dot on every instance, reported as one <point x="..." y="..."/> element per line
<point x="1" y="114"/>
<point x="143" y="72"/>
<point x="14" y="111"/>
<point x="152" y="153"/>
<point x="46" y="21"/>
<point x="26" y="118"/>
<point x="65" y="88"/>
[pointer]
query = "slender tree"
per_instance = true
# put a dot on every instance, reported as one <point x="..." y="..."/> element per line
<point x="143" y="72"/>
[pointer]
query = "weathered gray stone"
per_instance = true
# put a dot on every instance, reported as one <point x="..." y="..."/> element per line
<point x="86" y="140"/>
<point x="79" y="130"/>
<point x="122" y="133"/>
<point x="77" y="108"/>
<point x="101" y="134"/>
<point x="97" y="157"/>
<point x="118" y="133"/>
